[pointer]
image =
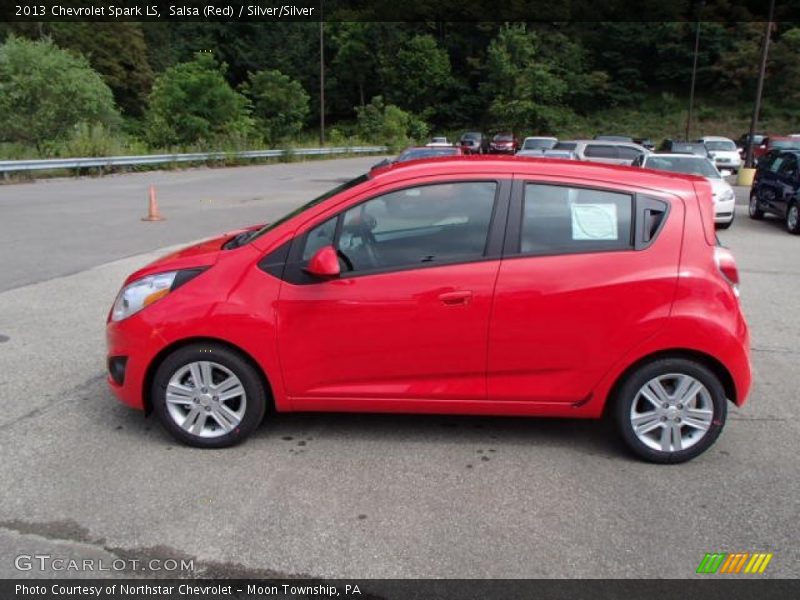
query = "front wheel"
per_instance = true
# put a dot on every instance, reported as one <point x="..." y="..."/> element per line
<point x="208" y="396"/>
<point x="755" y="212"/>
<point x="670" y="410"/>
<point x="793" y="218"/>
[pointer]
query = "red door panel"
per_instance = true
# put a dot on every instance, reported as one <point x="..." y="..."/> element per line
<point x="560" y="322"/>
<point x="413" y="334"/>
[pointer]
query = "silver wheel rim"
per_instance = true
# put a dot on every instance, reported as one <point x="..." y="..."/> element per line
<point x="791" y="218"/>
<point x="753" y="205"/>
<point x="206" y="399"/>
<point x="672" y="412"/>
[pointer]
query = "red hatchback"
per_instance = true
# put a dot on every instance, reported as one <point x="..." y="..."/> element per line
<point x="470" y="285"/>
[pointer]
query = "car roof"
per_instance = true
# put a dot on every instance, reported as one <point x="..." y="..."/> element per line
<point x="541" y="137"/>
<point x="676" y="155"/>
<point x="508" y="166"/>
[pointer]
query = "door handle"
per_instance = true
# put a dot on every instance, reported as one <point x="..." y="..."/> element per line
<point x="456" y="298"/>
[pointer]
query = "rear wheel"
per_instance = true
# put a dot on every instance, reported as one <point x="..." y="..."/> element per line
<point x="755" y="212"/>
<point x="670" y="410"/>
<point x="208" y="396"/>
<point x="793" y="218"/>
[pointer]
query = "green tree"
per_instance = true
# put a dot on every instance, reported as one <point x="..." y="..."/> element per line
<point x="784" y="77"/>
<point x="388" y="124"/>
<point x="45" y="92"/>
<point x="192" y="103"/>
<point x="522" y="88"/>
<point x="115" y="50"/>
<point x="418" y="76"/>
<point x="280" y="104"/>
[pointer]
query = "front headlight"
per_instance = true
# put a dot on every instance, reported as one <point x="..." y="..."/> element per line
<point x="141" y="293"/>
<point x="727" y="195"/>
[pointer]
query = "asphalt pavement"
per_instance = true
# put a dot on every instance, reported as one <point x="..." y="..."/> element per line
<point x="351" y="495"/>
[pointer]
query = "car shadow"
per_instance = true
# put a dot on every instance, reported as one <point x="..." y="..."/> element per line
<point x="595" y="437"/>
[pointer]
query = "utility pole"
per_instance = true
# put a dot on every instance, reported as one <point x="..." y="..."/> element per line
<point x="748" y="160"/>
<point x="694" y="71"/>
<point x="321" y="75"/>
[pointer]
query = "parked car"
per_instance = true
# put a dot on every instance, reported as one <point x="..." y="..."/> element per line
<point x="536" y="145"/>
<point x="504" y="143"/>
<point x="681" y="147"/>
<point x="438" y="142"/>
<point x="614" y="153"/>
<point x="509" y="287"/>
<point x="742" y="142"/>
<point x="474" y="142"/>
<point x="722" y="151"/>
<point x="645" y="143"/>
<point x="722" y="193"/>
<point x="776" y="189"/>
<point x="615" y="138"/>
<point x="775" y="142"/>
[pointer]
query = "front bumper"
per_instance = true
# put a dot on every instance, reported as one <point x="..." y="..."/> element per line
<point x="131" y="346"/>
<point x="724" y="210"/>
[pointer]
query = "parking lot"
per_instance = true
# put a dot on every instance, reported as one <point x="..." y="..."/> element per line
<point x="351" y="495"/>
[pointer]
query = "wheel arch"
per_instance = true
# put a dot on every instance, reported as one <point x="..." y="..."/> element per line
<point x="708" y="361"/>
<point x="178" y="344"/>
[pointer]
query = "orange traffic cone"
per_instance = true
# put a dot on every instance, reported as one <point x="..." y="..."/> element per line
<point x="152" y="209"/>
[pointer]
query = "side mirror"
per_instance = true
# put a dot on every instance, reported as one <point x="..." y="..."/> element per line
<point x="324" y="263"/>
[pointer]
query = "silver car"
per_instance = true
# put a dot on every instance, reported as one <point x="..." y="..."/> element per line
<point x="610" y="153"/>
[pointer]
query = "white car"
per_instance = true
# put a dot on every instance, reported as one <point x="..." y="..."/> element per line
<point x="535" y="146"/>
<point x="723" y="151"/>
<point x="438" y="142"/>
<point x="724" y="196"/>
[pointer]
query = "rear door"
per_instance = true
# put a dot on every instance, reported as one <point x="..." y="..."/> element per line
<point x="589" y="271"/>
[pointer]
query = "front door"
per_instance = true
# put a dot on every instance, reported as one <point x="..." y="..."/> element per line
<point x="407" y="320"/>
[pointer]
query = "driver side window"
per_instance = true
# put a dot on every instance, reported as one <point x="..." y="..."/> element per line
<point x="437" y="223"/>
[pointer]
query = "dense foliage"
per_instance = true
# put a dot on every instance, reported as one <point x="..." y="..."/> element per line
<point x="195" y="84"/>
<point x="45" y="92"/>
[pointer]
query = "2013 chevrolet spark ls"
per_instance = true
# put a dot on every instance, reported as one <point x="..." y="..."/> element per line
<point x="469" y="285"/>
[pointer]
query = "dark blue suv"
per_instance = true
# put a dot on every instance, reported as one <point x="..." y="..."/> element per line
<point x="776" y="188"/>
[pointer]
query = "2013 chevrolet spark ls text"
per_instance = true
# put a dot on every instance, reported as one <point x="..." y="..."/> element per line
<point x="472" y="285"/>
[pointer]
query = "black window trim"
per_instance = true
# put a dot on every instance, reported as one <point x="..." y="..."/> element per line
<point x="294" y="268"/>
<point x="640" y="202"/>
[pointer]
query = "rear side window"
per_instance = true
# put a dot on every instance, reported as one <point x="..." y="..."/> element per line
<point x="561" y="219"/>
<point x="601" y="151"/>
<point x="565" y="146"/>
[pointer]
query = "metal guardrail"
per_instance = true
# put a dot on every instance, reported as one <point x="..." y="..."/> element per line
<point x="9" y="166"/>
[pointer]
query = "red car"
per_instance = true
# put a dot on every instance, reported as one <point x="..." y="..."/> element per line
<point x="495" y="287"/>
<point x="775" y="142"/>
<point x="504" y="143"/>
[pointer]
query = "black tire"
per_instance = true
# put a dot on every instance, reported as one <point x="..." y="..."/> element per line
<point x="628" y="393"/>
<point x="793" y="218"/>
<point x="255" y="394"/>
<point x="753" y="210"/>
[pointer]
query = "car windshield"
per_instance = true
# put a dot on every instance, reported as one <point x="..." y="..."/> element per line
<point x="330" y="193"/>
<point x="502" y="138"/>
<point x="721" y="146"/>
<point x="683" y="164"/>
<point x="538" y="144"/>
<point x="416" y="153"/>
<point x="471" y="136"/>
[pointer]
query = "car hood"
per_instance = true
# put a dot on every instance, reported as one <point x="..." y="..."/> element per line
<point x="201" y="254"/>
